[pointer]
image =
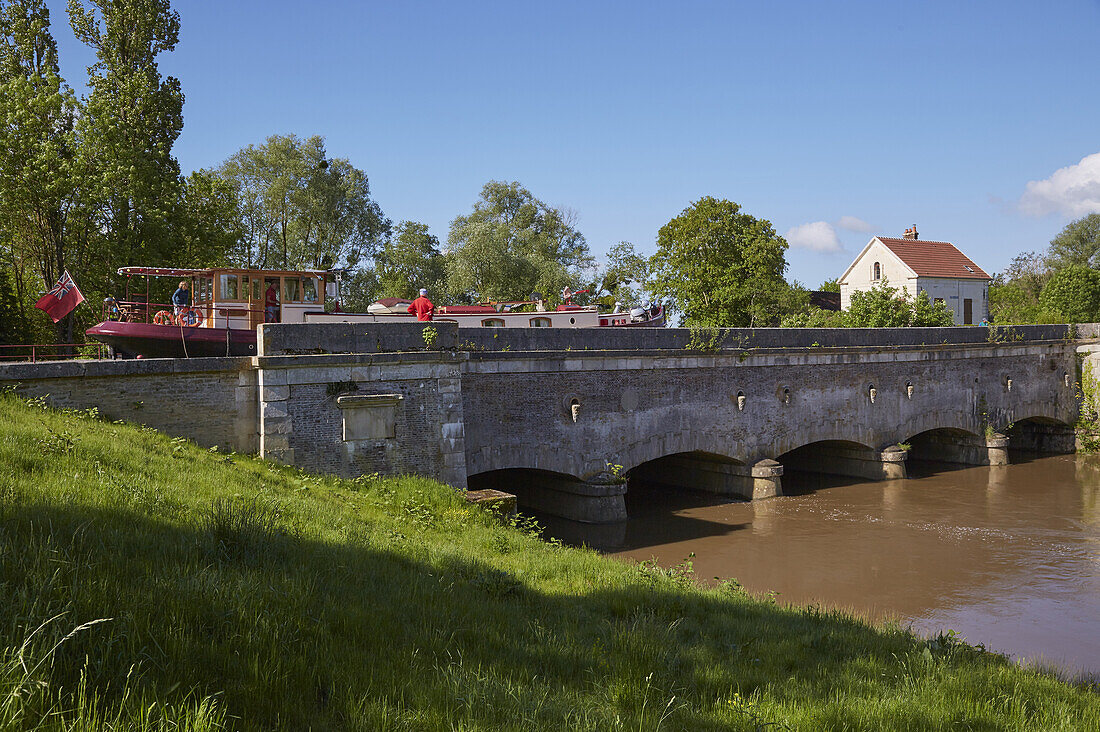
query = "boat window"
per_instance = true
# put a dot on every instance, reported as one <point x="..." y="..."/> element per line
<point x="540" y="322"/>
<point x="291" y="290"/>
<point x="203" y="289"/>
<point x="309" y="289"/>
<point x="228" y="287"/>
<point x="493" y="323"/>
<point x="257" y="288"/>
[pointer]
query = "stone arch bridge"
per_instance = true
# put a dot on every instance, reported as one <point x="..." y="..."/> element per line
<point x="562" y="417"/>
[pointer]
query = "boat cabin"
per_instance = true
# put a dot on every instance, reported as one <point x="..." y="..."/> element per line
<point x="226" y="297"/>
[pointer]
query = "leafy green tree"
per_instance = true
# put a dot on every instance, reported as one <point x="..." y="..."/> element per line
<point x="410" y="259"/>
<point x="720" y="267"/>
<point x="39" y="175"/>
<point x="880" y="307"/>
<point x="1073" y="293"/>
<point x="131" y="120"/>
<point x="512" y="245"/>
<point x="927" y="313"/>
<point x="1078" y="243"/>
<point x="886" y="307"/>
<point x="829" y="286"/>
<point x="624" y="278"/>
<point x="298" y="208"/>
<point x="207" y="227"/>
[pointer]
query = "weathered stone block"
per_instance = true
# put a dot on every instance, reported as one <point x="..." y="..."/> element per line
<point x="274" y="393"/>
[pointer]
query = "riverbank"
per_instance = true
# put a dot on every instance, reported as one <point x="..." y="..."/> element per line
<point x="146" y="582"/>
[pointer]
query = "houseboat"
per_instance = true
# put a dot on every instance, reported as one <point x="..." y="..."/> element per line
<point x="228" y="304"/>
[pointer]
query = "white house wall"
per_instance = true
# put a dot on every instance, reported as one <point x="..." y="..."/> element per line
<point x="954" y="291"/>
<point x="862" y="275"/>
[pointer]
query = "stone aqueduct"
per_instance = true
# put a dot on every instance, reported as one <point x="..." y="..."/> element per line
<point x="560" y="418"/>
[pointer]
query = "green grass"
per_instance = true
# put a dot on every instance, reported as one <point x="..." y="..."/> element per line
<point x="149" y="584"/>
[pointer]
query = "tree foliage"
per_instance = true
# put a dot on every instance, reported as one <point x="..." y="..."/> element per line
<point x="130" y="123"/>
<point x="512" y="245"/>
<point x="1073" y="294"/>
<point x="886" y="307"/>
<point x="1077" y="244"/>
<point x="299" y="208"/>
<point x="410" y="258"/>
<point x="624" y="279"/>
<point x="719" y="266"/>
<point x="40" y="177"/>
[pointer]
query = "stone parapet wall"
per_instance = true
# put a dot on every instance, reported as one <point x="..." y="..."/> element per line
<point x="344" y="338"/>
<point x="209" y="400"/>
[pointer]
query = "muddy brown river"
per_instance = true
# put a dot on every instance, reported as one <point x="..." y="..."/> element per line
<point x="1008" y="556"/>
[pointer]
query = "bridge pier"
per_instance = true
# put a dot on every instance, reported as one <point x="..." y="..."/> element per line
<point x="699" y="473"/>
<point x="964" y="449"/>
<point x="855" y="461"/>
<point x="598" y="500"/>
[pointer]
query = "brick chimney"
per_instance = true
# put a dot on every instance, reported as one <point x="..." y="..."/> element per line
<point x="911" y="234"/>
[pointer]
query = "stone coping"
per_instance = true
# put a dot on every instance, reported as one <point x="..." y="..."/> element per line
<point x="123" y="367"/>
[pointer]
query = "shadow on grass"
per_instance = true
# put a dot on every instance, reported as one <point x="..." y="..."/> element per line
<point x="383" y="632"/>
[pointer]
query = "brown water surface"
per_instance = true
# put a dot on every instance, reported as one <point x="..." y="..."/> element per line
<point x="1008" y="556"/>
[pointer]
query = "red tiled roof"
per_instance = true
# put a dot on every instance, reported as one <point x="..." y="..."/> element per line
<point x="934" y="258"/>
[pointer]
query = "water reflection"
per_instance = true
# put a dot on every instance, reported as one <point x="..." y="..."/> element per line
<point x="1008" y="556"/>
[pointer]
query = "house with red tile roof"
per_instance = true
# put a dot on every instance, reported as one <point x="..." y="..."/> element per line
<point x="915" y="265"/>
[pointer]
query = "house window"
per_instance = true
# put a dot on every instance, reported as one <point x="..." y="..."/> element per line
<point x="540" y="322"/>
<point x="876" y="272"/>
<point x="493" y="323"/>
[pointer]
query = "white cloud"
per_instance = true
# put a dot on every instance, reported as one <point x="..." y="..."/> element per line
<point x="817" y="236"/>
<point x="1072" y="191"/>
<point x="852" y="223"/>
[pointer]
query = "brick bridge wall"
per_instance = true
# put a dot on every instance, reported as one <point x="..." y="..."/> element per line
<point x="209" y="400"/>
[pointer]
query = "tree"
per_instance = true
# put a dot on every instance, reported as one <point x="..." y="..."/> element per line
<point x="39" y="175"/>
<point x="1073" y="293"/>
<point x="829" y="286"/>
<point x="624" y="279"/>
<point x="886" y="307"/>
<point x="131" y="120"/>
<point x="720" y="267"/>
<point x="207" y="227"/>
<point x="298" y="208"/>
<point x="1078" y="243"/>
<point x="410" y="259"/>
<point x="512" y="245"/>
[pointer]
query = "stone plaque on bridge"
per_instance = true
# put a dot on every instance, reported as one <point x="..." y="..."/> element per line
<point x="369" y="416"/>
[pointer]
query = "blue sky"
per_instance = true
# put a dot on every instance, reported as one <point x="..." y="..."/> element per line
<point x="832" y="120"/>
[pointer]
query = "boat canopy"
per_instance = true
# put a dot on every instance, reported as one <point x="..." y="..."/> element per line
<point x="210" y="271"/>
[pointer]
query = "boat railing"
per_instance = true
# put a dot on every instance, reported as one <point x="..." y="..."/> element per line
<point x="35" y="352"/>
<point x="140" y="311"/>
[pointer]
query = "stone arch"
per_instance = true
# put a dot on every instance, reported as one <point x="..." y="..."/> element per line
<point x="843" y="457"/>
<point x="668" y="444"/>
<point x="1041" y="434"/>
<point x="557" y="493"/>
<point x="696" y="470"/>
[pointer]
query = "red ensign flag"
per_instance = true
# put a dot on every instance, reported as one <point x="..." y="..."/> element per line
<point x="61" y="300"/>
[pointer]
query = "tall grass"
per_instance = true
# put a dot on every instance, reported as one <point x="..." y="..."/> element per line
<point x="245" y="595"/>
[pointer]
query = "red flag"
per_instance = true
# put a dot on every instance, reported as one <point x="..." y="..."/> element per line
<point x="61" y="300"/>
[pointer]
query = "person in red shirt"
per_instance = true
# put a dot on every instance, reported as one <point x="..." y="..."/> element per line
<point x="422" y="306"/>
<point x="271" y="303"/>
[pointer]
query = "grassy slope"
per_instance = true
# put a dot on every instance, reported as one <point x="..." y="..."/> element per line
<point x="256" y="597"/>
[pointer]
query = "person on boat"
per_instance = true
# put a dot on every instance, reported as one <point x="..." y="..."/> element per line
<point x="271" y="303"/>
<point x="181" y="298"/>
<point x="422" y="306"/>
